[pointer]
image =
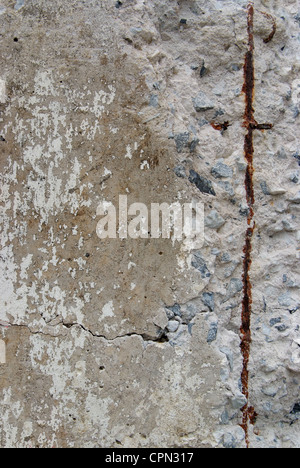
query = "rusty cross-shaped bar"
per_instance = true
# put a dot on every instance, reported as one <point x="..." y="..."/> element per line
<point x="251" y="125"/>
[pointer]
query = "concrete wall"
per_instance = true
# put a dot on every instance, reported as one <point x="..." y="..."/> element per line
<point x="149" y="342"/>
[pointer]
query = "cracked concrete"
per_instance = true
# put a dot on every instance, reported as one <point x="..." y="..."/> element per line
<point x="136" y="342"/>
<point x="55" y="332"/>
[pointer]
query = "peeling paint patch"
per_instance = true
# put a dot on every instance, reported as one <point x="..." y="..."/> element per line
<point x="108" y="310"/>
<point x="144" y="165"/>
<point x="25" y="265"/>
<point x="2" y="352"/>
<point x="128" y="155"/>
<point x="2" y="91"/>
<point x="44" y="85"/>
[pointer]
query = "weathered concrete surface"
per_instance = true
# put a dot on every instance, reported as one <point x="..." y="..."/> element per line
<point x="136" y="343"/>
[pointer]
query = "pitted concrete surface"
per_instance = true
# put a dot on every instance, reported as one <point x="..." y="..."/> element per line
<point x="137" y="342"/>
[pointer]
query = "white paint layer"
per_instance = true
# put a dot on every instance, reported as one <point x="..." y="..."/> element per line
<point x="3" y="96"/>
<point x="2" y="352"/>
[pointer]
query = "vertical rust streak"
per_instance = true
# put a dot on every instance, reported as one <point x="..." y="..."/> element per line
<point x="246" y="329"/>
<point x="249" y="414"/>
<point x="250" y="124"/>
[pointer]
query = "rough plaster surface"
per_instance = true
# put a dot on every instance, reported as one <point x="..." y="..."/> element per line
<point x="136" y="343"/>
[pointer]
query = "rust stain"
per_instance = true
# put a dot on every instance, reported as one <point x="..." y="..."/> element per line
<point x="246" y="330"/>
<point x="265" y="126"/>
<point x="250" y="124"/>
<point x="221" y="127"/>
<point x="274" y="27"/>
<point x="249" y="414"/>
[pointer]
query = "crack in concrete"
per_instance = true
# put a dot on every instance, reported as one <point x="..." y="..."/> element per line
<point x="162" y="339"/>
<point x="146" y="338"/>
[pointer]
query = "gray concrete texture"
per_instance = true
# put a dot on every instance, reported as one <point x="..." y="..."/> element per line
<point x="139" y="342"/>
